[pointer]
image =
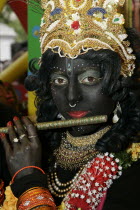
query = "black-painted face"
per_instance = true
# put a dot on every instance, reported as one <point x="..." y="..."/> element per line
<point x="76" y="86"/>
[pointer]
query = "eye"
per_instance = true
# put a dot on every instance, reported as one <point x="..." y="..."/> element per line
<point x="89" y="80"/>
<point x="60" y="81"/>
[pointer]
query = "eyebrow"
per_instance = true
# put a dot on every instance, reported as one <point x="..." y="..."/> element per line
<point x="84" y="69"/>
<point x="57" y="72"/>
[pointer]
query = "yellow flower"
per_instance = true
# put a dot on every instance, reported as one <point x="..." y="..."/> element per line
<point x="10" y="200"/>
<point x="61" y="207"/>
<point x="135" y="151"/>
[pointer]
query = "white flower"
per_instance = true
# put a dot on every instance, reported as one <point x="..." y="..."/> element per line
<point x="97" y="196"/>
<point x="89" y="193"/>
<point x="96" y="203"/>
<point x="117" y="160"/>
<point x="88" y="200"/>
<point x="101" y="195"/>
<point x="76" y="195"/>
<point x="82" y="196"/>
<point x="120" y="167"/>
<point x="96" y="184"/>
<point x="113" y="169"/>
<point x="99" y="188"/>
<point x="88" y="184"/>
<point x="120" y="173"/>
<point x="73" y="195"/>
<point x="108" y="159"/>
<point x="100" y="156"/>
<point x="104" y="175"/>
<point x="111" y="155"/>
<point x="92" y="178"/>
<point x="93" y="199"/>
<point x="112" y="163"/>
<point x="89" y="173"/>
<point x="94" y="191"/>
<point x="106" y="154"/>
<point x="114" y="177"/>
<point x="110" y="176"/>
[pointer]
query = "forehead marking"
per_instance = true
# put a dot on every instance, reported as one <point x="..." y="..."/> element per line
<point x="69" y="66"/>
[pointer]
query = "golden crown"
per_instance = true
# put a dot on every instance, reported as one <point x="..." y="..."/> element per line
<point x="72" y="27"/>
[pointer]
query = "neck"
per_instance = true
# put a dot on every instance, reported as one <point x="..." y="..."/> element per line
<point x="87" y="129"/>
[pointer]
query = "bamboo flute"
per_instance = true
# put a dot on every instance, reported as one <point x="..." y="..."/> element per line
<point x="66" y="123"/>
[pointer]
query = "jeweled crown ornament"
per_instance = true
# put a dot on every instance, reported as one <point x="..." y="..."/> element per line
<point x="72" y="27"/>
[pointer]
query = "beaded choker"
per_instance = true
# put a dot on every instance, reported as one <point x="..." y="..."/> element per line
<point x="86" y="140"/>
<point x="74" y="152"/>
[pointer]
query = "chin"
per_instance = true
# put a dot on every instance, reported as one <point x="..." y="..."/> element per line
<point x="85" y="129"/>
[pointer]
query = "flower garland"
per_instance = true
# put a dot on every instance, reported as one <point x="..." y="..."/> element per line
<point x="97" y="176"/>
<point x="93" y="183"/>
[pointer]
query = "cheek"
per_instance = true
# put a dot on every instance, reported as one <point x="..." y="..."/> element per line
<point x="53" y="91"/>
<point x="98" y="103"/>
<point x="58" y="96"/>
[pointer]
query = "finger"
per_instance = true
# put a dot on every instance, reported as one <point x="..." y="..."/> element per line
<point x="20" y="130"/>
<point x="32" y="132"/>
<point x="5" y="143"/>
<point x="12" y="135"/>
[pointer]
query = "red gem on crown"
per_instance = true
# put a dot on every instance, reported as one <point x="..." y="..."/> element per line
<point x="75" y="25"/>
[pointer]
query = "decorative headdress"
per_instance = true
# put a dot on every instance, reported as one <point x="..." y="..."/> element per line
<point x="72" y="27"/>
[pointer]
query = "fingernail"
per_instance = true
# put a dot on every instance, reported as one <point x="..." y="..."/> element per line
<point x="15" y="118"/>
<point x="2" y="135"/>
<point x="9" y="123"/>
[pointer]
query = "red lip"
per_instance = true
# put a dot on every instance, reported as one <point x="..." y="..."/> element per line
<point x="78" y="114"/>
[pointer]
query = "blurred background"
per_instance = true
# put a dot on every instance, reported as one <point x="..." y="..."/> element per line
<point x="19" y="42"/>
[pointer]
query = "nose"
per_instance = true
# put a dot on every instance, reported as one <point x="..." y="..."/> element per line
<point x="74" y="94"/>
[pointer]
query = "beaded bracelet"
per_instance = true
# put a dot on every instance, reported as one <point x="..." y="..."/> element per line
<point x="23" y="169"/>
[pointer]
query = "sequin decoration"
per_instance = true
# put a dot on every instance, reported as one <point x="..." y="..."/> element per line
<point x="73" y="27"/>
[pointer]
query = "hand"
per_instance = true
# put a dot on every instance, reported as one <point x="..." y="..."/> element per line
<point x="23" y="147"/>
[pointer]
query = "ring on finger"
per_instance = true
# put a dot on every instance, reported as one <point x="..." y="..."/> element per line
<point x="22" y="136"/>
<point x="15" y="140"/>
<point x="32" y="137"/>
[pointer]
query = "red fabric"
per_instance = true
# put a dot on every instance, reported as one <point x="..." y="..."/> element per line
<point x="20" y="8"/>
<point x="101" y="204"/>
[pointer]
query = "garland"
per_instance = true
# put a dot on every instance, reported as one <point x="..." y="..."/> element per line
<point x="97" y="176"/>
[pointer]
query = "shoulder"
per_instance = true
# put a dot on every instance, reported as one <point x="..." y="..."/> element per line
<point x="124" y="192"/>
